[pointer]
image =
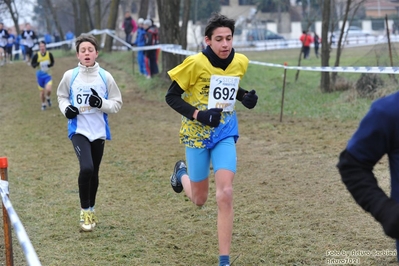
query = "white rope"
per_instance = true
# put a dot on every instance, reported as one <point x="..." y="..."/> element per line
<point x="27" y="248"/>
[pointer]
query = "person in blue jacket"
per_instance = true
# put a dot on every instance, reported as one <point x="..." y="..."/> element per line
<point x="140" y="41"/>
<point x="376" y="136"/>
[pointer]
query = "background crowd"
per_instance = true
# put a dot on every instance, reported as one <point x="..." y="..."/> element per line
<point x="142" y="33"/>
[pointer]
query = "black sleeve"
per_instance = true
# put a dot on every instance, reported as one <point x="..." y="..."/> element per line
<point x="240" y="93"/>
<point x="360" y="181"/>
<point x="148" y="38"/>
<point x="23" y="35"/>
<point x="174" y="100"/>
<point x="34" y="35"/>
<point x="34" y="62"/>
<point x="51" y="60"/>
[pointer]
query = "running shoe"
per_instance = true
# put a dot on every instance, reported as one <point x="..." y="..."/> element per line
<point x="180" y="169"/>
<point x="86" y="219"/>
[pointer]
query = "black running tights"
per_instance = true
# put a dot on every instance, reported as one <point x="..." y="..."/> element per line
<point x="89" y="155"/>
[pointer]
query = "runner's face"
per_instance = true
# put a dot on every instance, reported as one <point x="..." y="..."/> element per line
<point x="42" y="48"/>
<point x="87" y="54"/>
<point x="221" y="42"/>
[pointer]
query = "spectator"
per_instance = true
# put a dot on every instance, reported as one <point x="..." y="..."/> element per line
<point x="17" y="47"/>
<point x="316" y="41"/>
<point x="129" y="26"/>
<point x="151" y="38"/>
<point x="47" y="38"/>
<point x="23" y="47"/>
<point x="57" y="38"/>
<point x="3" y="43"/>
<point x="30" y="37"/>
<point x="306" y="39"/>
<point x="9" y="46"/>
<point x="69" y="36"/>
<point x="140" y="41"/>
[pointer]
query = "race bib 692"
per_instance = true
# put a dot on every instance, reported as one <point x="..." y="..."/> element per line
<point x="223" y="92"/>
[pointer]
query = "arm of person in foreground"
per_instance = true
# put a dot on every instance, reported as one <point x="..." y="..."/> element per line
<point x="368" y="145"/>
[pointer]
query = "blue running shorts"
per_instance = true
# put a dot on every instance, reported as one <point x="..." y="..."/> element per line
<point x="42" y="79"/>
<point x="222" y="156"/>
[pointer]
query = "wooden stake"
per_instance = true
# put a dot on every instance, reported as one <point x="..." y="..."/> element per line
<point x="282" y="96"/>
<point x="6" y="219"/>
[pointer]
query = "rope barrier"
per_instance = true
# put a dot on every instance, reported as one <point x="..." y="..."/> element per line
<point x="27" y="248"/>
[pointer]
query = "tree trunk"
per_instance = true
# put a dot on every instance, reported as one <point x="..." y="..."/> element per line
<point x="143" y="12"/>
<point x="111" y="24"/>
<point x="56" y="22"/>
<point x="83" y="16"/>
<point x="152" y="5"/>
<point x="339" y="44"/>
<point x="325" y="47"/>
<point x="349" y="9"/>
<point x="169" y="32"/>
<point x="89" y="16"/>
<point x="14" y="13"/>
<point x="97" y="18"/>
<point x="75" y="9"/>
<point x="186" y="17"/>
<point x="97" y="14"/>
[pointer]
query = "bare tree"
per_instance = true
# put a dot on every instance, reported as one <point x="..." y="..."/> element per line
<point x="325" y="46"/>
<point x="351" y="8"/>
<point x="169" y="31"/>
<point x="78" y="24"/>
<point x="341" y="35"/>
<point x="89" y="16"/>
<point x="186" y="17"/>
<point x="143" y="9"/>
<point x="328" y="24"/>
<point x="111" y="24"/>
<point x="55" y="18"/>
<point x="83" y="14"/>
<point x="10" y="4"/>
<point x="97" y="14"/>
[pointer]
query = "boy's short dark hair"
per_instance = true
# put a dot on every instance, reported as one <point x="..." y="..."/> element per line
<point x="216" y="21"/>
<point x="86" y="38"/>
<point x="43" y="42"/>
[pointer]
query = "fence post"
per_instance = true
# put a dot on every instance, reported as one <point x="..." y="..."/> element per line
<point x="282" y="93"/>
<point x="6" y="219"/>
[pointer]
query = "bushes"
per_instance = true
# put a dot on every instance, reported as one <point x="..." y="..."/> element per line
<point x="369" y="85"/>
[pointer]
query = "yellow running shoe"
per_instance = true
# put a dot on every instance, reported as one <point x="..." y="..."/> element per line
<point x="86" y="219"/>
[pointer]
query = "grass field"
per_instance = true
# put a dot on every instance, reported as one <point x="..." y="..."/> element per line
<point x="290" y="205"/>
